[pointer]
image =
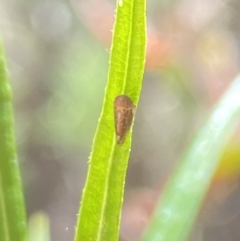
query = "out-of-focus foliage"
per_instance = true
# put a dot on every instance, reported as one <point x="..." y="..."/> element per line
<point x="71" y="111"/>
<point x="12" y="208"/>
<point x="188" y="185"/>
<point x="38" y="227"/>
<point x="57" y="53"/>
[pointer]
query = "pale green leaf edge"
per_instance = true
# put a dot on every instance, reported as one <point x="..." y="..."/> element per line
<point x="181" y="199"/>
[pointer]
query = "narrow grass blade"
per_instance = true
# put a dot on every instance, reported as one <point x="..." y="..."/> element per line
<point x="182" y="197"/>
<point x="103" y="194"/>
<point x="12" y="210"/>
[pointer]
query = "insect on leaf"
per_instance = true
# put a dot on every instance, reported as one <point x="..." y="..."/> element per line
<point x="123" y="113"/>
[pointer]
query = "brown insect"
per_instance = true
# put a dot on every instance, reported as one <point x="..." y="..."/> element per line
<point x="123" y="113"/>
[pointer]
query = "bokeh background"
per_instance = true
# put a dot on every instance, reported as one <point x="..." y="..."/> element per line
<point x="57" y="54"/>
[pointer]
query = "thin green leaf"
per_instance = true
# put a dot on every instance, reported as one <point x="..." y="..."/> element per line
<point x="182" y="197"/>
<point x="103" y="193"/>
<point x="12" y="210"/>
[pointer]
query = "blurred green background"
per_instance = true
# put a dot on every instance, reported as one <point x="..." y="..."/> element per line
<point x="57" y="54"/>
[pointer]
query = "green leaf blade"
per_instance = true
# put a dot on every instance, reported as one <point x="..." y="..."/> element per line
<point x="103" y="193"/>
<point x="12" y="210"/>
